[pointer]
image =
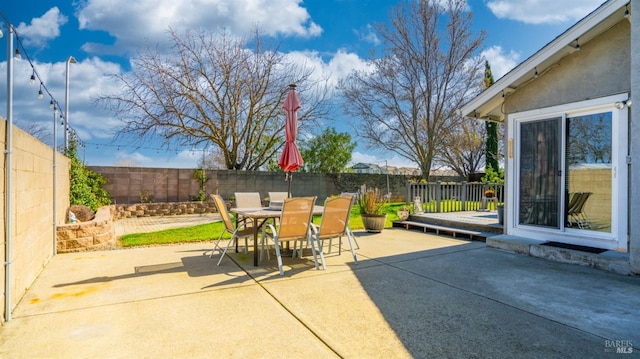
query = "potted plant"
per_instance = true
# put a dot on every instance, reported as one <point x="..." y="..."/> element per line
<point x="372" y="204"/>
<point x="404" y="212"/>
<point x="489" y="193"/>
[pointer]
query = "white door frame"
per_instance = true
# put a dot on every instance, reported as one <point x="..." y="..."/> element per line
<point x="617" y="239"/>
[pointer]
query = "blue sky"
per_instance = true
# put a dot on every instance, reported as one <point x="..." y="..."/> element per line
<point x="333" y="36"/>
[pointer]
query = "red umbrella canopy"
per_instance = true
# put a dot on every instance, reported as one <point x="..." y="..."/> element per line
<point x="291" y="159"/>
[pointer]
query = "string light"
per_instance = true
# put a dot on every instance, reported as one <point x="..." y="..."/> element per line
<point x="21" y="52"/>
<point x="135" y="148"/>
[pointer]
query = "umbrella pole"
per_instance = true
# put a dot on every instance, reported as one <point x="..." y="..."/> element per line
<point x="289" y="183"/>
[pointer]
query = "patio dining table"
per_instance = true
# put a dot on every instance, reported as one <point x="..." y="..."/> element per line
<point x="259" y="216"/>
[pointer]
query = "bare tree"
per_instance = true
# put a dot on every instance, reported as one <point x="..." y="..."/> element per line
<point x="407" y="103"/>
<point x="213" y="90"/>
<point x="465" y="152"/>
<point x="213" y="160"/>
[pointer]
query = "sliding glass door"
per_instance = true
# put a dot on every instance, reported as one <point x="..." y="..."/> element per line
<point x="565" y="172"/>
<point x="540" y="172"/>
<point x="589" y="187"/>
<point x="568" y="173"/>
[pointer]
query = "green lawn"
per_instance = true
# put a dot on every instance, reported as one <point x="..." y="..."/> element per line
<point x="211" y="231"/>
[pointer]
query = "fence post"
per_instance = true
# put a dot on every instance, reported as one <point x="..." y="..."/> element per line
<point x="438" y="195"/>
<point x="409" y="191"/>
<point x="463" y="197"/>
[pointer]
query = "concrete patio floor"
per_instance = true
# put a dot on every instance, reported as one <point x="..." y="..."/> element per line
<point x="411" y="295"/>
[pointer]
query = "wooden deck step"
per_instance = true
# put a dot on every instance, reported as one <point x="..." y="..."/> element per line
<point x="437" y="228"/>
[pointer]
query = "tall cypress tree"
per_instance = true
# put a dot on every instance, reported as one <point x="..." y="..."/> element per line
<point x="491" y="149"/>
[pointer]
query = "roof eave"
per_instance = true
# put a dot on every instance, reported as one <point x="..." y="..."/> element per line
<point x="484" y="105"/>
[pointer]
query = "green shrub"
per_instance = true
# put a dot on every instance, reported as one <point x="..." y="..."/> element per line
<point x="491" y="176"/>
<point x="85" y="185"/>
<point x="200" y="175"/>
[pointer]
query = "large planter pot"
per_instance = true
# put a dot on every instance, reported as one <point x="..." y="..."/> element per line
<point x="374" y="222"/>
<point x="501" y="214"/>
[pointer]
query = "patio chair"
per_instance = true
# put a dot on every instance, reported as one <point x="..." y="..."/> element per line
<point x="354" y="198"/>
<point x="295" y="225"/>
<point x="277" y="198"/>
<point x="335" y="224"/>
<point x="246" y="200"/>
<point x="575" y="212"/>
<point x="236" y="232"/>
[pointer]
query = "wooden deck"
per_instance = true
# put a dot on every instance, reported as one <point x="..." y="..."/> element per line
<point x="476" y="225"/>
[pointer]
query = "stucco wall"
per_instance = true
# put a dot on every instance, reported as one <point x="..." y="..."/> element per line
<point x="634" y="200"/>
<point x="32" y="238"/>
<point x="599" y="69"/>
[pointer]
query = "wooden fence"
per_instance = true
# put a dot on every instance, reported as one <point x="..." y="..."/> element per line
<point x="456" y="196"/>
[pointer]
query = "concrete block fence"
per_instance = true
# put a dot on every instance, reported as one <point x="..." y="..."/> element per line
<point x="128" y="185"/>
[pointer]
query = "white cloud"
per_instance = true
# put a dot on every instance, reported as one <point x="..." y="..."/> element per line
<point x="338" y="66"/>
<point x="42" y="29"/>
<point x="136" y="159"/>
<point x="500" y="62"/>
<point x="145" y="22"/>
<point x="183" y="159"/>
<point x="87" y="80"/>
<point x="161" y="159"/>
<point x="392" y="159"/>
<point x="359" y="157"/>
<point x="369" y="35"/>
<point x="542" y="11"/>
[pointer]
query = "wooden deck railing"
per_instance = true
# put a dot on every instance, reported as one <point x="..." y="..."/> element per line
<point x="455" y="196"/>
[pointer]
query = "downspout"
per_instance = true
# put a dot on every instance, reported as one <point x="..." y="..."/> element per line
<point x="634" y="139"/>
<point x="8" y="177"/>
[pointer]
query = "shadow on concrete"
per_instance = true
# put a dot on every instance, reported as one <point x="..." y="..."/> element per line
<point x="477" y="302"/>
<point x="195" y="266"/>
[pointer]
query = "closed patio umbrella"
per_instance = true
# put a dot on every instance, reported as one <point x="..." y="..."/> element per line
<point x="291" y="159"/>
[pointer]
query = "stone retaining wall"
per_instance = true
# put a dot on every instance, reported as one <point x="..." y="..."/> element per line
<point x="163" y="209"/>
<point x="99" y="233"/>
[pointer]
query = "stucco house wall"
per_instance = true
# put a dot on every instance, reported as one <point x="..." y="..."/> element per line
<point x="601" y="68"/>
<point x="562" y="79"/>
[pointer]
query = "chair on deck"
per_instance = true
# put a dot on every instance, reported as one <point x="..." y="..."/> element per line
<point x="295" y="225"/>
<point x="335" y="224"/>
<point x="575" y="210"/>
<point x="236" y="232"/>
